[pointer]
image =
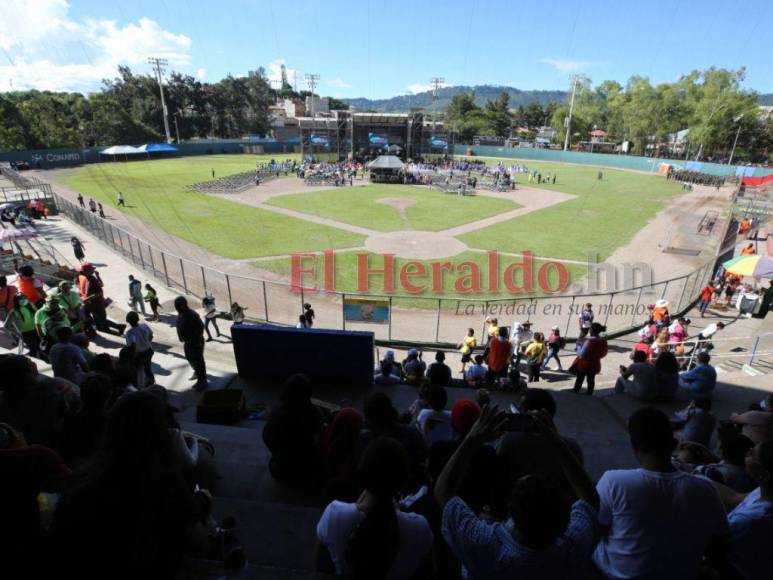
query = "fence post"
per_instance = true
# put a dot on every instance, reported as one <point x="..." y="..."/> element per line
<point x="389" y="329"/>
<point x="166" y="273"/>
<point x="139" y="251"/>
<point x="437" y="322"/>
<point x="681" y="296"/>
<point x="131" y="249"/>
<point x="609" y="307"/>
<point x="204" y="281"/>
<point x="152" y="261"/>
<point x="228" y="286"/>
<point x="754" y="350"/>
<point x="182" y="271"/>
<point x="636" y="308"/>
<point x="483" y="336"/>
<point x="265" y="301"/>
<point x="569" y="317"/>
<point x="343" y="312"/>
<point x="665" y="287"/>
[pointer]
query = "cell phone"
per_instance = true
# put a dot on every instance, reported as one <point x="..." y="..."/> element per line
<point x="196" y="488"/>
<point x="518" y="422"/>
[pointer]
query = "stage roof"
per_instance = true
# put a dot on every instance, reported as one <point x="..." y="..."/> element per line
<point x="386" y="162"/>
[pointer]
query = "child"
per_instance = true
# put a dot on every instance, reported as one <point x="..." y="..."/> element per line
<point x="151" y="297"/>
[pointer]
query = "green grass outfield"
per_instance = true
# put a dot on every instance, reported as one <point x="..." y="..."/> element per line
<point x="605" y="215"/>
<point x="433" y="210"/>
<point x="155" y="193"/>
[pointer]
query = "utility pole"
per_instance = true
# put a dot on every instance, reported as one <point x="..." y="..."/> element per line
<point x="436" y="83"/>
<point x="568" y="120"/>
<point x="158" y="64"/>
<point x="312" y="80"/>
<point x="737" y="133"/>
<point x="176" y="128"/>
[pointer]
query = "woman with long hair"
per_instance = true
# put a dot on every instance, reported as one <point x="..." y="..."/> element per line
<point x="128" y="510"/>
<point x="667" y="367"/>
<point x="370" y="539"/>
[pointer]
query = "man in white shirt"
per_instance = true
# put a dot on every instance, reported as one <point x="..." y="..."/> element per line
<point x="140" y="338"/>
<point x="522" y="335"/>
<point x="657" y="522"/>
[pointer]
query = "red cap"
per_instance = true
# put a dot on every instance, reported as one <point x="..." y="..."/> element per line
<point x="463" y="414"/>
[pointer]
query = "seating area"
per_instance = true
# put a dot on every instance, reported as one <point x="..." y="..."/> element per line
<point x="235" y="183"/>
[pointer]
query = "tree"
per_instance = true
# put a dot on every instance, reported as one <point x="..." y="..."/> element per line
<point x="336" y="105"/>
<point x="14" y="132"/>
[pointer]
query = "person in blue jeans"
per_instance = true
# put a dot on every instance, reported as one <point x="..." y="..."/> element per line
<point x="555" y="343"/>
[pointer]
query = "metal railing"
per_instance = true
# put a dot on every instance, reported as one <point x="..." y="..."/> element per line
<point x="412" y="319"/>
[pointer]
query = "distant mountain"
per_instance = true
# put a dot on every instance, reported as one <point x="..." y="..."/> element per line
<point x="766" y="100"/>
<point x="483" y="94"/>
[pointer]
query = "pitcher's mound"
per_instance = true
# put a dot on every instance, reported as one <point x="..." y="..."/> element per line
<point x="417" y="245"/>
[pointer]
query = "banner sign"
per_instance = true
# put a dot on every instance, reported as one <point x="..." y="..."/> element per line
<point x="437" y="142"/>
<point x="366" y="310"/>
<point x="319" y="140"/>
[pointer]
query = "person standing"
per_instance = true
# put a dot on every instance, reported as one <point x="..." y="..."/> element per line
<point x="210" y="314"/>
<point x="139" y="337"/>
<point x="80" y="200"/>
<point x="151" y="297"/>
<point x="22" y="318"/>
<point x="555" y="343"/>
<point x="135" y="295"/>
<point x="92" y="205"/>
<point x="93" y="298"/>
<point x="586" y="319"/>
<point x="535" y="355"/>
<point x="121" y="200"/>
<point x="190" y="331"/>
<point x="77" y="249"/>
<point x="308" y="314"/>
<point x="767" y="302"/>
<point x="706" y="295"/>
<point x="589" y="358"/>
<point x="466" y="347"/>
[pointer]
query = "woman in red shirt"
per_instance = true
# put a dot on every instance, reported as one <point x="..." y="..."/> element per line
<point x="500" y="350"/>
<point x="589" y="358"/>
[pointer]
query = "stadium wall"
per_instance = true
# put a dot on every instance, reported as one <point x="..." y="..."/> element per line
<point x="52" y="158"/>
<point x="631" y="162"/>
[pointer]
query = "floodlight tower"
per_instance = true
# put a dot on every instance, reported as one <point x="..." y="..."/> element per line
<point x="312" y="80"/>
<point x="158" y="65"/>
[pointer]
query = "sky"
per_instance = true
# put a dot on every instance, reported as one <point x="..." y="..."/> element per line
<point x="378" y="49"/>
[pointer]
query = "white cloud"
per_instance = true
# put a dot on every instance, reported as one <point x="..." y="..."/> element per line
<point x="338" y="83"/>
<point x="201" y="74"/>
<point x="51" y="51"/>
<point x="423" y="88"/>
<point x="568" y="65"/>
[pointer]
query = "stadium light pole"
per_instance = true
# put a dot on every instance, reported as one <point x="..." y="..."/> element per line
<point x="158" y="64"/>
<point x="735" y="142"/>
<point x="312" y="80"/>
<point x="436" y="83"/>
<point x="568" y="120"/>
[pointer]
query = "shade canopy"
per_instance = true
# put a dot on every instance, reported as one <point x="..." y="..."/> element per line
<point x="386" y="162"/>
<point x="121" y="150"/>
<point x="757" y="266"/>
<point x="155" y="148"/>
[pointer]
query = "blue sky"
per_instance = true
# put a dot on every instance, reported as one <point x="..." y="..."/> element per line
<point x="379" y="49"/>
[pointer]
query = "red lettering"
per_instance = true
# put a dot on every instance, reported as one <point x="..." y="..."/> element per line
<point x="469" y="283"/>
<point x="493" y="271"/>
<point x="364" y="273"/>
<point x="562" y="274"/>
<point x="330" y="272"/>
<point x="437" y="275"/>
<point x="297" y="271"/>
<point x="412" y="270"/>
<point x="526" y="266"/>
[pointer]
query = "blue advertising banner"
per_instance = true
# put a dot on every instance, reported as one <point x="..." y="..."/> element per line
<point x="319" y="140"/>
<point x="438" y="143"/>
<point x="377" y="139"/>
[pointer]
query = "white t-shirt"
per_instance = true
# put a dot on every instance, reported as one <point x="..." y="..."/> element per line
<point x="339" y="521"/>
<point x="709" y="331"/>
<point x="140" y="336"/>
<point x="440" y="426"/>
<point x="659" y="523"/>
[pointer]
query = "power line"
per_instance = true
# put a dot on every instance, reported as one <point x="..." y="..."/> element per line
<point x="158" y="65"/>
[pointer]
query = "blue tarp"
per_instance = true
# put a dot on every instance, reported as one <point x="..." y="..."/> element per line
<point x="156" y="147"/>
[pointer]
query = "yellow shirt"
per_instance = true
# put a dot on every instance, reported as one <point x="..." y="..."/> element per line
<point x="493" y="330"/>
<point x="536" y="351"/>
<point x="469" y="343"/>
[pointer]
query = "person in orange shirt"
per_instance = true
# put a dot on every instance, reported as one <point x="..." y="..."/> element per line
<point x="744" y="226"/>
<point x="706" y="295"/>
<point x="31" y="286"/>
<point x="660" y="312"/>
<point x="748" y="250"/>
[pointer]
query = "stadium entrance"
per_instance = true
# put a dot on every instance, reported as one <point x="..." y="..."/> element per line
<point x="365" y="136"/>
